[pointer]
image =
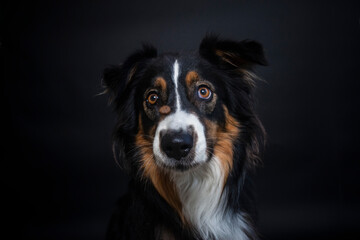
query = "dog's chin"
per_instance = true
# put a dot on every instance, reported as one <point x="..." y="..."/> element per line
<point x="181" y="165"/>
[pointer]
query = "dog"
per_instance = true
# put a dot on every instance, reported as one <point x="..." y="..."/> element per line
<point x="188" y="136"/>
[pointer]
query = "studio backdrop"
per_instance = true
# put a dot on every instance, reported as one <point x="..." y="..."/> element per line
<point x="59" y="175"/>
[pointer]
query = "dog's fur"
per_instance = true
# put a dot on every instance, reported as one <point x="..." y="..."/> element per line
<point x="198" y="188"/>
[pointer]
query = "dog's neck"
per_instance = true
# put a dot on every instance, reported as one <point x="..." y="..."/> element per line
<point x="204" y="203"/>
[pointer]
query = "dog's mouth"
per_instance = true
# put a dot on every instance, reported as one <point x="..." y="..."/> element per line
<point x="179" y="164"/>
<point x="170" y="164"/>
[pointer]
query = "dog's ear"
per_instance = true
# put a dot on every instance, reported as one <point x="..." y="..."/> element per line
<point x="232" y="55"/>
<point x="120" y="83"/>
<point x="116" y="78"/>
<point x="237" y="59"/>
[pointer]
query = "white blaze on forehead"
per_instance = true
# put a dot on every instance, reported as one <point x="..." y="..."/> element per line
<point x="180" y="121"/>
<point x="175" y="78"/>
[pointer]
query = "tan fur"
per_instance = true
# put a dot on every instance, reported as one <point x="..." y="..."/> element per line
<point x="191" y="77"/>
<point x="131" y="74"/>
<point x="230" y="58"/>
<point x="193" y="81"/>
<point x="223" y="139"/>
<point x="158" y="177"/>
<point x="165" y="110"/>
<point x="161" y="83"/>
<point x="226" y="137"/>
<point x="236" y="61"/>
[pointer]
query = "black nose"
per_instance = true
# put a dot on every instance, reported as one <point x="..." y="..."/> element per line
<point x="176" y="144"/>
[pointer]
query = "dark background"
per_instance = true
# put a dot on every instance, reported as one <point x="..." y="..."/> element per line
<point x="58" y="175"/>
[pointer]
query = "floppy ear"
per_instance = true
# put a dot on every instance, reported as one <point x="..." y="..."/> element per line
<point x="117" y="77"/>
<point x="232" y="55"/>
<point x="237" y="59"/>
<point x="120" y="83"/>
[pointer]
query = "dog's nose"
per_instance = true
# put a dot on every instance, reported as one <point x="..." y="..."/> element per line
<point x="176" y="144"/>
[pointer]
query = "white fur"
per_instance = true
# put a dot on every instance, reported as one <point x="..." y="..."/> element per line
<point x="175" y="79"/>
<point x="204" y="203"/>
<point x="181" y="120"/>
<point x="200" y="189"/>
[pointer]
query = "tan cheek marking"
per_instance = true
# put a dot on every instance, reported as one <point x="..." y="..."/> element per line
<point x="226" y="137"/>
<point x="158" y="177"/>
<point x="165" y="110"/>
<point x="211" y="132"/>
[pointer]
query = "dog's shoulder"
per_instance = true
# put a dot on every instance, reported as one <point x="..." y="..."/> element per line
<point x="142" y="214"/>
<point x="132" y="218"/>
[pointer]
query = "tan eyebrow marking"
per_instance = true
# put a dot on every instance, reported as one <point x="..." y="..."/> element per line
<point x="160" y="82"/>
<point x="191" y="77"/>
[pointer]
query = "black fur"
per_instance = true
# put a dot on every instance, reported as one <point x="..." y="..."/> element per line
<point x="142" y="210"/>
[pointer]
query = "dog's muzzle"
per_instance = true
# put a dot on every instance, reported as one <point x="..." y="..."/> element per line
<point x="180" y="142"/>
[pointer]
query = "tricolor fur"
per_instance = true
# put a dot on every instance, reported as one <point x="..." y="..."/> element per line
<point x="188" y="136"/>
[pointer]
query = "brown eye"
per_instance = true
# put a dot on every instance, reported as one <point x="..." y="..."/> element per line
<point x="204" y="92"/>
<point x="152" y="98"/>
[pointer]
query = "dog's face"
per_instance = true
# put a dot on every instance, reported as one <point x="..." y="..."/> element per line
<point x="179" y="111"/>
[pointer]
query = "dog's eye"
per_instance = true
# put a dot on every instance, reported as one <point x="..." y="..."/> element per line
<point x="204" y="92"/>
<point x="152" y="98"/>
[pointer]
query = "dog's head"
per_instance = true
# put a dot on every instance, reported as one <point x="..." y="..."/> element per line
<point x="179" y="111"/>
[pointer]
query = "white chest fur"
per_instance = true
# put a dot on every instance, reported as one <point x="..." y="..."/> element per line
<point x="204" y="203"/>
